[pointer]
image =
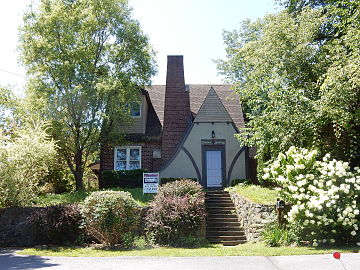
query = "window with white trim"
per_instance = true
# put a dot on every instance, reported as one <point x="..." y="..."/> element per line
<point x="127" y="158"/>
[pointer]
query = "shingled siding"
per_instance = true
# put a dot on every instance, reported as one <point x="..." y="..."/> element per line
<point x="212" y="110"/>
<point x="138" y="124"/>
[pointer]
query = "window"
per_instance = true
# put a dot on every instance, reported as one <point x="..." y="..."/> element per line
<point x="127" y="158"/>
<point x="135" y="110"/>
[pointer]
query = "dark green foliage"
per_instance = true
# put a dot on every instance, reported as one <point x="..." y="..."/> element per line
<point x="296" y="73"/>
<point x="59" y="224"/>
<point x="177" y="215"/>
<point x="275" y="236"/>
<point x="166" y="180"/>
<point x="123" y="179"/>
<point x="245" y="181"/>
<point x="58" y="179"/>
<point x="111" y="217"/>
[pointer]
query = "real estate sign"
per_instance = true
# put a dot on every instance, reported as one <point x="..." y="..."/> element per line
<point x="150" y="182"/>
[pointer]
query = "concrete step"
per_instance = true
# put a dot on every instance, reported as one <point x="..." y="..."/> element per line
<point x="220" y="210"/>
<point x="219" y="204"/>
<point x="223" y="228"/>
<point x="211" y="196"/>
<point x="222" y="233"/>
<point x="228" y="242"/>
<point x="227" y="238"/>
<point x="223" y="224"/>
<point x="215" y="207"/>
<point x="222" y="197"/>
<point x="212" y="212"/>
<point x="217" y="193"/>
<point x="212" y="201"/>
<point x="219" y="219"/>
<point x="220" y="215"/>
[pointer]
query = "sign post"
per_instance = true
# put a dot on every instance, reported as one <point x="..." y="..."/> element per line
<point x="150" y="182"/>
<point x="280" y="207"/>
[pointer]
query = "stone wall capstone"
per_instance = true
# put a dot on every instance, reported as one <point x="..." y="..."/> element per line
<point x="252" y="217"/>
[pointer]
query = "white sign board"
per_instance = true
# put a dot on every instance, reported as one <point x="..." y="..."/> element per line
<point x="150" y="182"/>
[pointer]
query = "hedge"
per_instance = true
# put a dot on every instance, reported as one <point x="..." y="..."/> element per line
<point x="58" y="224"/>
<point x="123" y="179"/>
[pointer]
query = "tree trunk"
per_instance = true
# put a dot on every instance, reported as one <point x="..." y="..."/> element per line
<point x="79" y="173"/>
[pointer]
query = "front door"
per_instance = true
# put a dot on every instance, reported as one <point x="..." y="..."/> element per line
<point x="213" y="168"/>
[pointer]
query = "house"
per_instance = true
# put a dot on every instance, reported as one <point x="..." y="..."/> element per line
<point x="185" y="131"/>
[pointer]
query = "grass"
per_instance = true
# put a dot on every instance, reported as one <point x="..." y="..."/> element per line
<point x="248" y="249"/>
<point x="256" y="194"/>
<point x="79" y="196"/>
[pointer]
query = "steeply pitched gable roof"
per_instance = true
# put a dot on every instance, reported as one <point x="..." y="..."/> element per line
<point x="198" y="93"/>
<point x="212" y="110"/>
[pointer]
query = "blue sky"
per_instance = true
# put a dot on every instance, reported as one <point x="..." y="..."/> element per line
<point x="192" y="28"/>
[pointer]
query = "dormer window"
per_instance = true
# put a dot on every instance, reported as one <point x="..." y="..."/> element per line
<point x="135" y="109"/>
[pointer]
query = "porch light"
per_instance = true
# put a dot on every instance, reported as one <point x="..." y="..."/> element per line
<point x="213" y="134"/>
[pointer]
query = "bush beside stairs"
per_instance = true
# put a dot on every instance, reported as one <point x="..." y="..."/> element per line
<point x="222" y="225"/>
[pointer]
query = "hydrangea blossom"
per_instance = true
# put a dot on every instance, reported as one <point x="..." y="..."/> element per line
<point x="324" y="194"/>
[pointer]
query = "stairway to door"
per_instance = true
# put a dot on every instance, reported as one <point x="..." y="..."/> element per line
<point x="222" y="225"/>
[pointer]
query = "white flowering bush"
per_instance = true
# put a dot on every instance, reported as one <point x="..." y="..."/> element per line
<point x="324" y="194"/>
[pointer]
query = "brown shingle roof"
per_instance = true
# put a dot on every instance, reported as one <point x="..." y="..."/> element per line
<point x="198" y="93"/>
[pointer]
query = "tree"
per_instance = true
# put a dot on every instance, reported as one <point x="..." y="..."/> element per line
<point x="8" y="104"/>
<point x="298" y="86"/>
<point x="86" y="59"/>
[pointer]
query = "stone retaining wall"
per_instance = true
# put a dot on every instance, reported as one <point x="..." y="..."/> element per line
<point x="252" y="216"/>
<point x="15" y="229"/>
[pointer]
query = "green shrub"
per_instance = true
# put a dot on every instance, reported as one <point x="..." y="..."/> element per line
<point x="59" y="178"/>
<point x="122" y="179"/>
<point x="111" y="217"/>
<point x="177" y="215"/>
<point x="166" y="180"/>
<point x="179" y="188"/>
<point x="275" y="236"/>
<point x="59" y="225"/>
<point x="244" y="181"/>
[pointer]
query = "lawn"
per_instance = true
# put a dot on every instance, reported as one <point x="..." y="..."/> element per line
<point x="256" y="194"/>
<point x="79" y="196"/>
<point x="248" y="249"/>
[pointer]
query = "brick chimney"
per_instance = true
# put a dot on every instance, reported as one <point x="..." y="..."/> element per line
<point x="177" y="115"/>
